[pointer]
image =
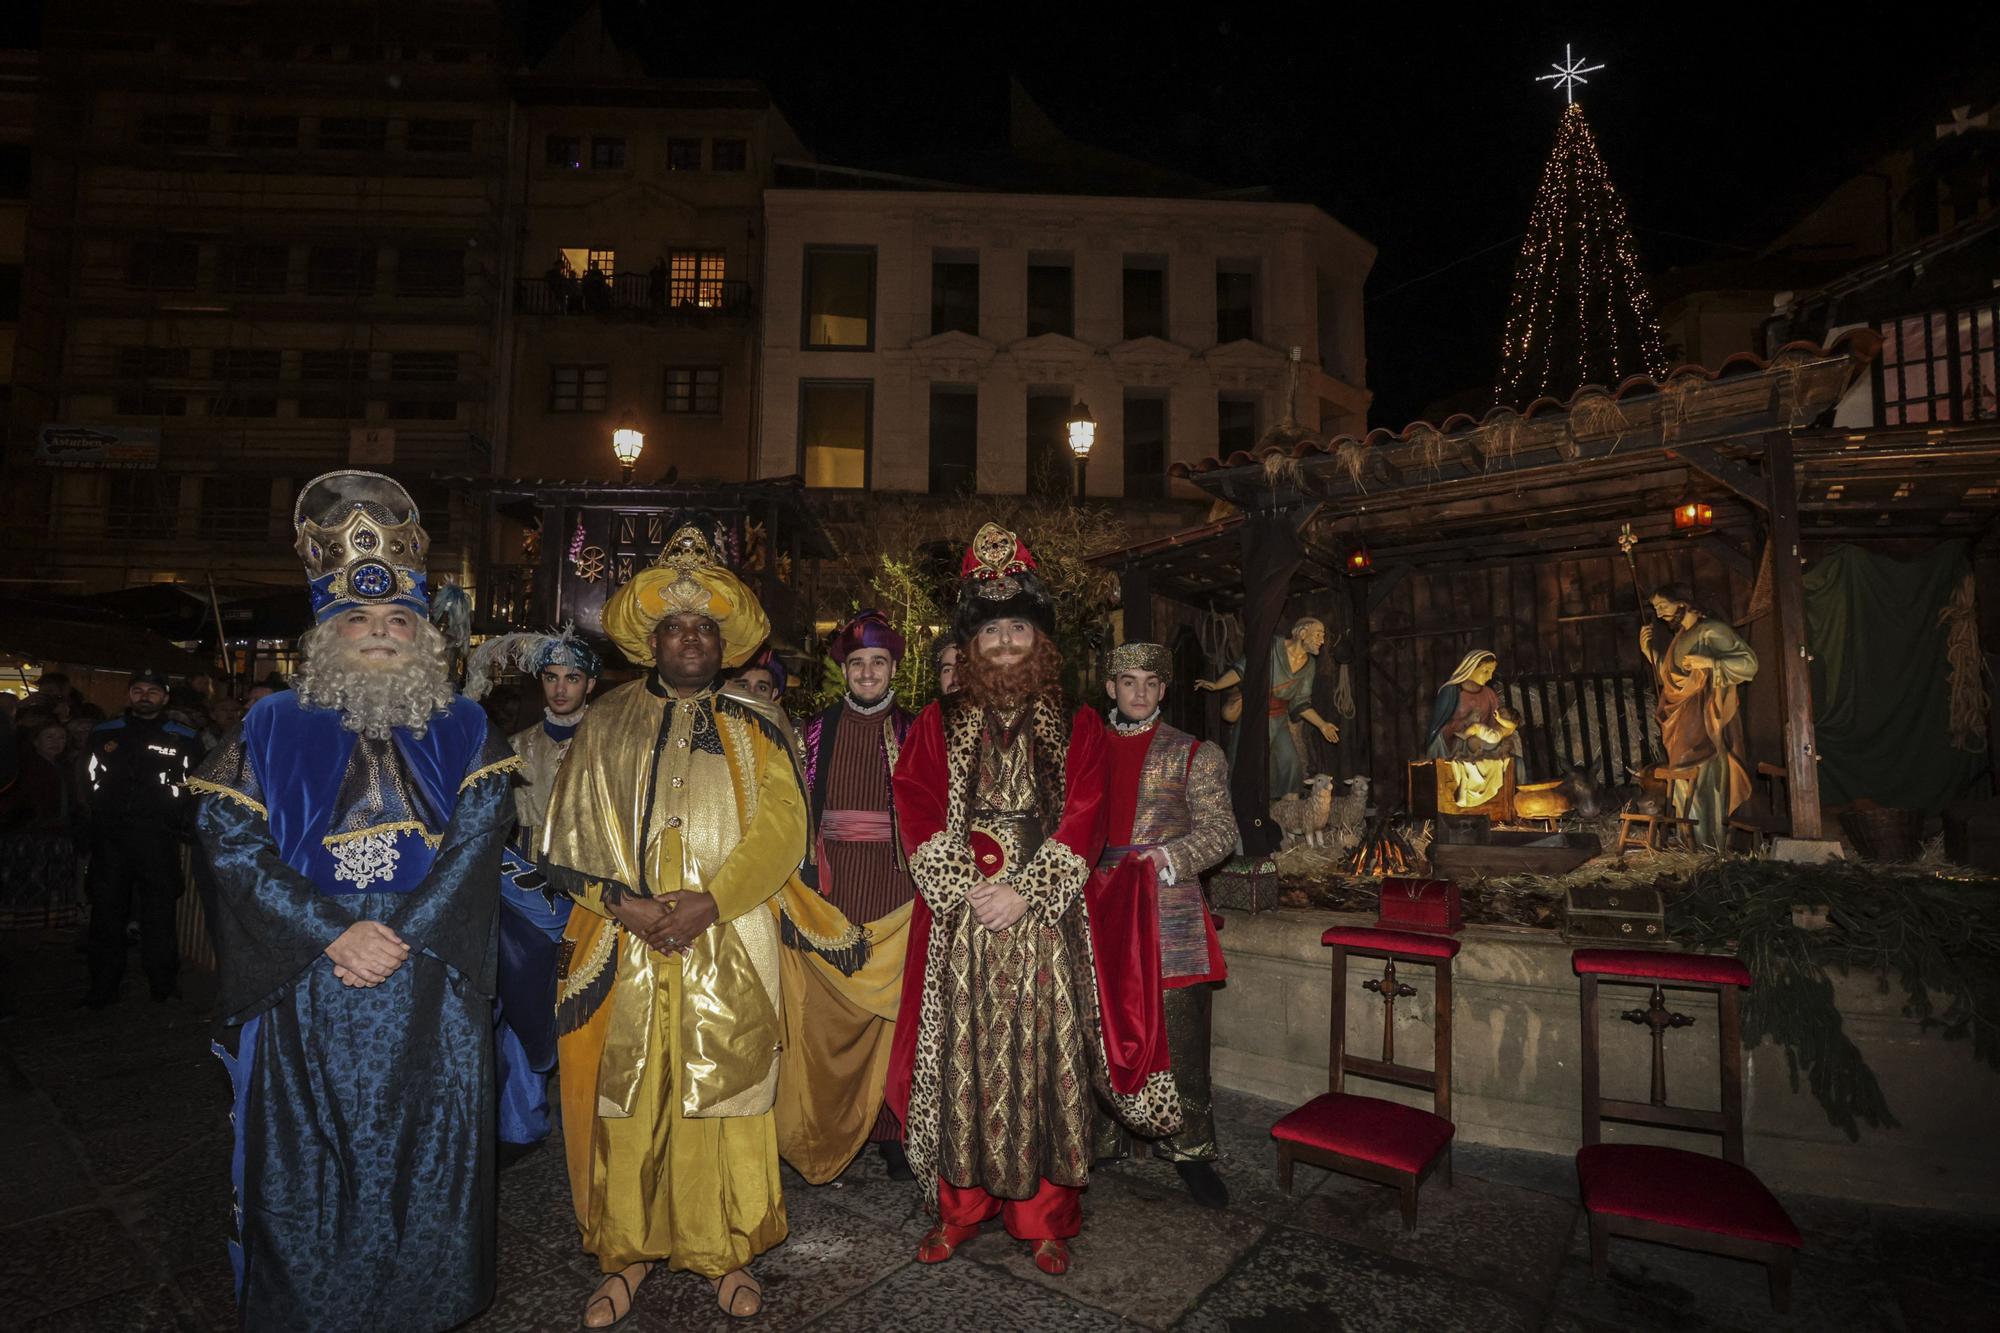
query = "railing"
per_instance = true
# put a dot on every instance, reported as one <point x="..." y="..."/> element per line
<point x="634" y="296"/>
<point x="1602" y="723"/>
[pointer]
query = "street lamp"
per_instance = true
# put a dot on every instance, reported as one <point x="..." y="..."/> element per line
<point x="628" y="442"/>
<point x="1082" y="428"/>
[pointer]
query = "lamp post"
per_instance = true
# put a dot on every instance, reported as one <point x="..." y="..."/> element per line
<point x="628" y="442"/>
<point x="1082" y="428"/>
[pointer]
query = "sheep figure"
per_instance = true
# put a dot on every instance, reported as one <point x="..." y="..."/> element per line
<point x="1348" y="816"/>
<point x="1303" y="818"/>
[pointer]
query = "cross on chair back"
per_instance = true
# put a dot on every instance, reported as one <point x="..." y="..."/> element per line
<point x="1370" y="1137"/>
<point x="1670" y="1195"/>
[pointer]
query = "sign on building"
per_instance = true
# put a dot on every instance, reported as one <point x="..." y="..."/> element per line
<point x="98" y="446"/>
<point x="373" y="445"/>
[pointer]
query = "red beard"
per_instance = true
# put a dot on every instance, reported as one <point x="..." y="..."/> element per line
<point x="993" y="685"/>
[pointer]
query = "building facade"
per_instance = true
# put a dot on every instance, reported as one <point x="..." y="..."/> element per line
<point x="637" y="258"/>
<point x="264" y="248"/>
<point x="933" y="341"/>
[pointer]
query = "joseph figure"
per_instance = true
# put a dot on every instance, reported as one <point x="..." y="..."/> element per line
<point x="677" y="816"/>
<point x="1289" y="709"/>
<point x="1699" y="671"/>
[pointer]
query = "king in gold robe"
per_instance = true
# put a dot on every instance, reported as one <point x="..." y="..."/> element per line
<point x="668" y="1049"/>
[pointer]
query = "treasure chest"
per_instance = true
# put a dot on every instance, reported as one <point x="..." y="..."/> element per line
<point x="1419" y="904"/>
<point x="1634" y="916"/>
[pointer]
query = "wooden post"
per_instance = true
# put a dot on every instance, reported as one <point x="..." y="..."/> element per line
<point x="1359" y="731"/>
<point x="1788" y="592"/>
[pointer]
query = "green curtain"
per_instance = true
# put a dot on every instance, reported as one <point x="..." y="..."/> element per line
<point x="1881" y="709"/>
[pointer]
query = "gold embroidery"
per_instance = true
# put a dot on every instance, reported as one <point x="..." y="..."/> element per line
<point x="507" y="765"/>
<point x="431" y="840"/>
<point x="593" y="963"/>
<point x="217" y="789"/>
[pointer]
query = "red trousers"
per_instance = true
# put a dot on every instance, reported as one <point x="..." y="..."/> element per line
<point x="1055" y="1213"/>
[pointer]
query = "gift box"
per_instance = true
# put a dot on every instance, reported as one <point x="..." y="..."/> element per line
<point x="1419" y="904"/>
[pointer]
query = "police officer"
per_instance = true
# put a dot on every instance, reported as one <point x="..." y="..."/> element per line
<point x="140" y="811"/>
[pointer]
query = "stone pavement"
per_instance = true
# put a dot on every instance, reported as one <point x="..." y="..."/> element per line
<point x="115" y="1204"/>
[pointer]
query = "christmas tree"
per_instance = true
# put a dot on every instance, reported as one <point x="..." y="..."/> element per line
<point x="1580" y="312"/>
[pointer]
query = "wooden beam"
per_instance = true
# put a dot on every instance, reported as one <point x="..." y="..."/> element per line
<point x="1794" y="666"/>
<point x="1731" y="559"/>
<point x="1385" y="582"/>
<point x="1725" y="472"/>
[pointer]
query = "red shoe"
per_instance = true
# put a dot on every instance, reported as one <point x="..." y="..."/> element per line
<point x="1052" y="1257"/>
<point x="943" y="1242"/>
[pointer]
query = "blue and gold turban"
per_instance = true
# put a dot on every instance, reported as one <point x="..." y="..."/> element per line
<point x="360" y="537"/>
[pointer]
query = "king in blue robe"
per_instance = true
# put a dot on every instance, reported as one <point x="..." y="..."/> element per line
<point x="363" y="1110"/>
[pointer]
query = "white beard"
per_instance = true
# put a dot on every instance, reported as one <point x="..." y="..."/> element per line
<point x="375" y="697"/>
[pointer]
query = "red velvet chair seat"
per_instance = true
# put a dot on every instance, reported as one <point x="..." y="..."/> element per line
<point x="1386" y="1133"/>
<point x="1403" y="942"/>
<point x="1682" y="1189"/>
<point x="1710" y="969"/>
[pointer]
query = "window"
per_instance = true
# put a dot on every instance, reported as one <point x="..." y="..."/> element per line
<point x="257" y="270"/>
<point x="439" y="136"/>
<point x="563" y="151"/>
<point x="1235" y="300"/>
<point x="840" y="298"/>
<point x="235" y="508"/>
<point x="430" y="272"/>
<point x="174" y="129"/>
<point x="694" y="277"/>
<point x="728" y="154"/>
<point x="683" y="155"/>
<point x="1145" y="296"/>
<point x="835" y="418"/>
<point x="954" y="294"/>
<point x="579" y="388"/>
<point x="954" y="439"/>
<point x="247" y="377"/>
<point x="331" y="383"/>
<point x="264" y="132"/>
<point x="424" y="368"/>
<point x="1145" y="445"/>
<point x="1939" y="366"/>
<point x="1051" y="296"/>
<point x="693" y="390"/>
<point x="1235" y="423"/>
<point x="1051" y="466"/>
<point x="142" y="505"/>
<point x="152" y="363"/>
<point x="607" y="153"/>
<point x="162" y="266"/>
<point x="354" y="134"/>
<point x="340" y="270"/>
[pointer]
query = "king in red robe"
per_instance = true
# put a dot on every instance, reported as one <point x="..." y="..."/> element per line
<point x="1004" y="1031"/>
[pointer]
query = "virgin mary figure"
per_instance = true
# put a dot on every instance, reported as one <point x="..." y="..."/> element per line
<point x="1472" y="731"/>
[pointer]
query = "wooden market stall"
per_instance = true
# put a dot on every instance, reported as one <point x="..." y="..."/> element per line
<point x="1502" y="533"/>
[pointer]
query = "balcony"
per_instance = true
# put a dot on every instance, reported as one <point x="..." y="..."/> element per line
<point x="637" y="297"/>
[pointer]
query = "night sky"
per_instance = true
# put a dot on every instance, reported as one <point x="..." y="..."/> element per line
<point x="1425" y="134"/>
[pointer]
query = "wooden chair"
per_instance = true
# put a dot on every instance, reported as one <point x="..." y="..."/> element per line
<point x="1370" y="1137"/>
<point x="1671" y="1195"/>
<point x="1653" y="831"/>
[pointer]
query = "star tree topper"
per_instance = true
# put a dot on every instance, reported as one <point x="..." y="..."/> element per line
<point x="1568" y="73"/>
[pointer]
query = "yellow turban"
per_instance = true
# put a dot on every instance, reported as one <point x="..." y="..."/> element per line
<point x="686" y="577"/>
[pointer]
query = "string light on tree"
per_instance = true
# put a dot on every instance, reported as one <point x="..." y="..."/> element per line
<point x="1580" y="312"/>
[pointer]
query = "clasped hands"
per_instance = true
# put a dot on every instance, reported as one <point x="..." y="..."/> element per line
<point x="670" y="924"/>
<point x="996" y="904"/>
<point x="367" y="954"/>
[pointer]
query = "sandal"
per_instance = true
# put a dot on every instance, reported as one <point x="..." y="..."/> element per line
<point x="729" y="1296"/>
<point x="608" y="1298"/>
<point x="1051" y="1256"/>
<point x="942" y="1241"/>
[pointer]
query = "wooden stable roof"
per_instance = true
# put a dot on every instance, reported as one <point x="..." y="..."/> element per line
<point x="1559" y="479"/>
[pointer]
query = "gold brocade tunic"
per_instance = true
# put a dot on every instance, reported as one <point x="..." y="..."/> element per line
<point x="668" y="1064"/>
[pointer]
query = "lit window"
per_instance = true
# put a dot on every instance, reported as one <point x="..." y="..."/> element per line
<point x="694" y="277"/>
<point x="834" y="422"/>
<point x="839" y="298"/>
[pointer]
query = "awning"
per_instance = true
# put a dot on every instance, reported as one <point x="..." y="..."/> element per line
<point x="57" y="633"/>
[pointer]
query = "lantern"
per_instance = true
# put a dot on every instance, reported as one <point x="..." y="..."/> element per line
<point x="627" y="443"/>
<point x="1693" y="516"/>
<point x="1359" y="561"/>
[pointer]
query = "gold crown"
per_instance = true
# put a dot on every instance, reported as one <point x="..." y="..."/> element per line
<point x="361" y="538"/>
